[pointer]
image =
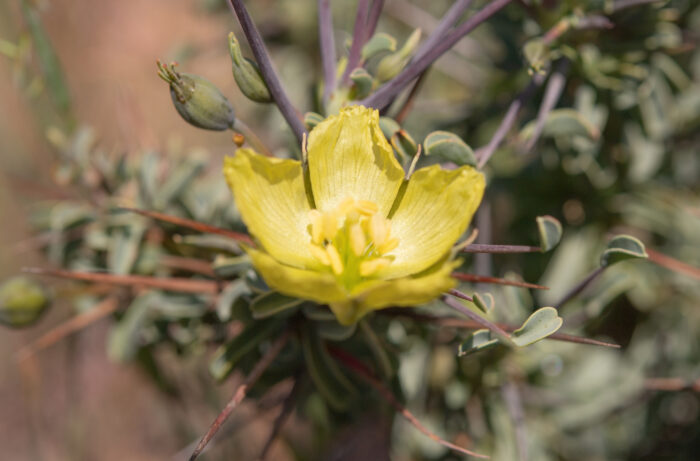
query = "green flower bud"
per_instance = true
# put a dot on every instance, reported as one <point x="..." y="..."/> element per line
<point x="22" y="301"/>
<point x="197" y="100"/>
<point x="247" y="74"/>
<point x="390" y="65"/>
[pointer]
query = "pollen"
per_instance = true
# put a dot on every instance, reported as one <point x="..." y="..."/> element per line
<point x="352" y="241"/>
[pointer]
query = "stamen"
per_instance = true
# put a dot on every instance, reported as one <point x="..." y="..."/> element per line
<point x="334" y="256"/>
<point x="358" y="241"/>
<point x="372" y="266"/>
<point x="315" y="218"/>
<point x="320" y="254"/>
<point x="388" y="246"/>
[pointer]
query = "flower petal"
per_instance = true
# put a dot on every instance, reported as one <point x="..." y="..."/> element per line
<point x="404" y="291"/>
<point x="434" y="212"/>
<point x="291" y="281"/>
<point x="349" y="157"/>
<point x="270" y="196"/>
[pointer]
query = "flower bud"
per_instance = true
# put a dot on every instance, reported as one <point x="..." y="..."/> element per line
<point x="247" y="74"/>
<point x="390" y="65"/>
<point x="22" y="301"/>
<point x="197" y="100"/>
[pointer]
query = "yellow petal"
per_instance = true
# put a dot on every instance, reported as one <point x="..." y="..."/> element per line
<point x="434" y="212"/>
<point x="405" y="291"/>
<point x="349" y="157"/>
<point x="270" y="196"/>
<point x="291" y="281"/>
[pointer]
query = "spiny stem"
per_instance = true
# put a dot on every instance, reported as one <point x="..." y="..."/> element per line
<point x="366" y="375"/>
<point x="242" y="391"/>
<point x="358" y="39"/>
<point x="182" y="285"/>
<point x="384" y="95"/>
<point x="579" y="287"/>
<point x="500" y="332"/>
<point x="195" y="225"/>
<point x="472" y="325"/>
<point x="495" y="280"/>
<point x="74" y="324"/>
<point x="262" y="57"/>
<point x="505" y="249"/>
<point x="327" y="43"/>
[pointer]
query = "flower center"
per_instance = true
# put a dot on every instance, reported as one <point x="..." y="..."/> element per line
<point x="353" y="240"/>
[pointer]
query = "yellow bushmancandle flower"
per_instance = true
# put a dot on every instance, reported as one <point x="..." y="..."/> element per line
<point x="374" y="239"/>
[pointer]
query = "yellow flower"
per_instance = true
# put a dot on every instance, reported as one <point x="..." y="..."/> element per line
<point x="373" y="240"/>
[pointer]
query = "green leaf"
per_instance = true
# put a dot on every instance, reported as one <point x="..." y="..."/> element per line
<point x="228" y="356"/>
<point x="404" y="144"/>
<point x="124" y="245"/>
<point x="316" y="312"/>
<point x="450" y="147"/>
<point x="362" y="83"/>
<point x="484" y="302"/>
<point x="333" y="331"/>
<point x="330" y="381"/>
<point x="229" y="266"/>
<point x="22" y="301"/>
<point x="622" y="248"/>
<point x="542" y="323"/>
<point x="272" y="302"/>
<point x="477" y="342"/>
<point x="178" y="181"/>
<point x="550" y="232"/>
<point x="228" y="296"/>
<point x="388" y="126"/>
<point x="380" y="42"/>
<point x="563" y="122"/>
<point x="123" y="341"/>
<point x="311" y="119"/>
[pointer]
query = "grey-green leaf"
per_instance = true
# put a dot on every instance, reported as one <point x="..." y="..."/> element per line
<point x="362" y="83"/>
<point x="272" y="302"/>
<point x="380" y="42"/>
<point x="550" y="231"/>
<point x="477" y="341"/>
<point x="622" y="248"/>
<point x="450" y="147"/>
<point x="542" y="323"/>
<point x="484" y="302"/>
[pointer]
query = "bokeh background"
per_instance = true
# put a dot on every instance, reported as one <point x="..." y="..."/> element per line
<point x="639" y="176"/>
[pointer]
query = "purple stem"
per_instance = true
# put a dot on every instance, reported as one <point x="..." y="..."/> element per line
<point x="500" y="332"/>
<point x="262" y="57"/>
<point x="327" y="42"/>
<point x="485" y="153"/>
<point x="501" y="249"/>
<point x="552" y="93"/>
<point x="447" y="21"/>
<point x="373" y="20"/>
<point x="580" y="287"/>
<point x="384" y="95"/>
<point x="358" y="39"/>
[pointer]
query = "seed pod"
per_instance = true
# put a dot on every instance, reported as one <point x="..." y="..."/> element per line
<point x="197" y="100"/>
<point x="22" y="301"/>
<point x="247" y="74"/>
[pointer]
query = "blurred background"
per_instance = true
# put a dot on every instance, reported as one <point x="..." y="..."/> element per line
<point x="634" y="169"/>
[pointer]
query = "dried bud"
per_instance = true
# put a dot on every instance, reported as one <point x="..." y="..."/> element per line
<point x="390" y="65"/>
<point x="22" y="301"/>
<point x="247" y="74"/>
<point x="197" y="100"/>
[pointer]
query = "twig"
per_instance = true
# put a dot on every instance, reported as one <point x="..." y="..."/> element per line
<point x="183" y="285"/>
<point x="552" y="93"/>
<point x="500" y="332"/>
<point x="408" y="103"/>
<point x="194" y="225"/>
<point x="673" y="264"/>
<point x="262" y="57"/>
<point x="366" y="375"/>
<point x="505" y="249"/>
<point x="374" y="13"/>
<point x="194" y="265"/>
<point x="74" y="324"/>
<point x="579" y="287"/>
<point x="385" y="94"/>
<point x="448" y="20"/>
<point x="287" y="408"/>
<point x="514" y="405"/>
<point x="472" y="325"/>
<point x="358" y="39"/>
<point x="495" y="280"/>
<point x="459" y="294"/>
<point x="242" y="391"/>
<point x="485" y="153"/>
<point x="327" y="43"/>
<point x="671" y="384"/>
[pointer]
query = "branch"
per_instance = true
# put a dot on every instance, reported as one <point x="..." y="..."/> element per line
<point x="373" y="19"/>
<point x="500" y="332"/>
<point x="447" y="21"/>
<point x="552" y="93"/>
<point x="366" y="375"/>
<point x="495" y="280"/>
<point x="327" y="43"/>
<point x="358" y="39"/>
<point x="579" y="287"/>
<point x="262" y="57"/>
<point x="384" y="95"/>
<point x="673" y="264"/>
<point x="182" y="285"/>
<point x="287" y="408"/>
<point x="504" y="249"/>
<point x="194" y="225"/>
<point x="242" y="391"/>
